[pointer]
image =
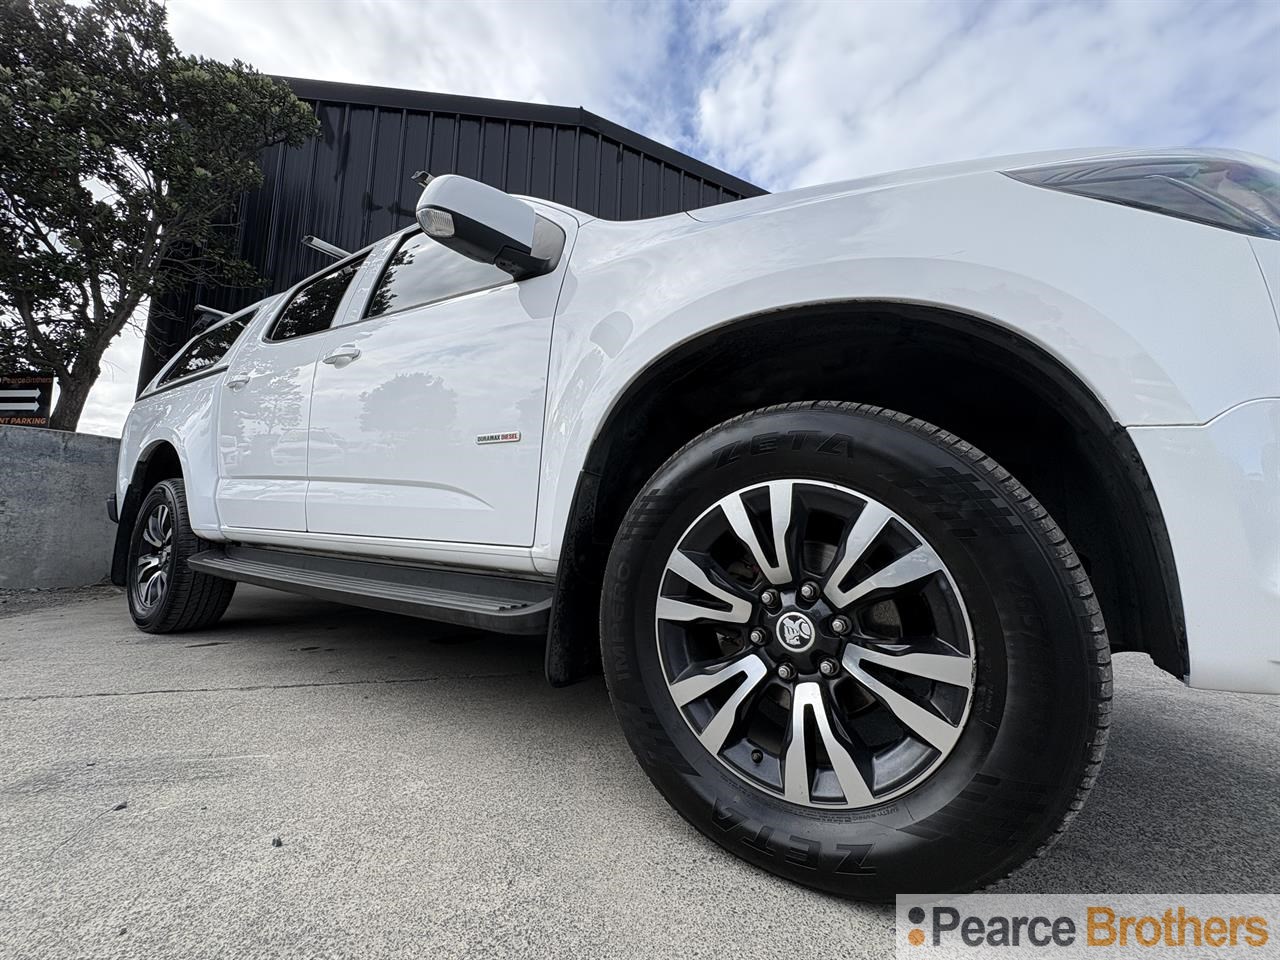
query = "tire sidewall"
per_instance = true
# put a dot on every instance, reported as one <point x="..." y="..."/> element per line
<point x="1006" y="783"/>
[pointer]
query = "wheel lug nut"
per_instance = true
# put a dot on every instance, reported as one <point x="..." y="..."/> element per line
<point x="839" y="625"/>
<point x="769" y="598"/>
<point x="828" y="668"/>
<point x="756" y="756"/>
<point x="758" y="636"/>
<point x="809" y="591"/>
<point x="786" y="671"/>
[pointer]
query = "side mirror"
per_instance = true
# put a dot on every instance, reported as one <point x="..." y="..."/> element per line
<point x="488" y="225"/>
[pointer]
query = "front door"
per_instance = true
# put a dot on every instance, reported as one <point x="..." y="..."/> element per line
<point x="426" y="413"/>
<point x="264" y="411"/>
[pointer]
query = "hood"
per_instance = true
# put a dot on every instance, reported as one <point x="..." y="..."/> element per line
<point x="899" y="178"/>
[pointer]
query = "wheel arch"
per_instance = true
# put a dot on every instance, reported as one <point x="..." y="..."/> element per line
<point x="159" y="460"/>
<point x="965" y="373"/>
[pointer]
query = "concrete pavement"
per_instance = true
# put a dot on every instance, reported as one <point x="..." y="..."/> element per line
<point x="433" y="797"/>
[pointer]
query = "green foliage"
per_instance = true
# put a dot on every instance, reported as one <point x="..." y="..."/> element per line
<point x="120" y="159"/>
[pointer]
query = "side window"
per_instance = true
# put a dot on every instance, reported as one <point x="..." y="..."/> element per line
<point x="208" y="348"/>
<point x="423" y="271"/>
<point x="313" y="307"/>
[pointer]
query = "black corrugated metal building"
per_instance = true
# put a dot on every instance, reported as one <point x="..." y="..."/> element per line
<point x="350" y="185"/>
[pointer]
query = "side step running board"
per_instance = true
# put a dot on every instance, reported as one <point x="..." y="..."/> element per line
<point x="498" y="603"/>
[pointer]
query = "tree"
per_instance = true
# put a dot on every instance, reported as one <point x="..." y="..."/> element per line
<point x="120" y="158"/>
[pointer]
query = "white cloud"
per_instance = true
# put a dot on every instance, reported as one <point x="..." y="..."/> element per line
<point x="790" y="93"/>
<point x="112" y="395"/>
<point x="793" y="92"/>
<point x="806" y="92"/>
<point x="608" y="57"/>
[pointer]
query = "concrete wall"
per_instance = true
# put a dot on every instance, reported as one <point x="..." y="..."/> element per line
<point x="54" y="530"/>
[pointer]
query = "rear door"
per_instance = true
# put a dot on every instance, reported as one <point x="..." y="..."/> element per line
<point x="428" y="401"/>
<point x="263" y="417"/>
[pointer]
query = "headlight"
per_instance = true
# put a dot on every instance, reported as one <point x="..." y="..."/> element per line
<point x="1238" y="195"/>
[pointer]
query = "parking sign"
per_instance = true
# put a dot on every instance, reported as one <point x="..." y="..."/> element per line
<point x="25" y="399"/>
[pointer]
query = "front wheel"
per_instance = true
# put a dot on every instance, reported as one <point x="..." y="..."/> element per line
<point x="165" y="595"/>
<point x="853" y="650"/>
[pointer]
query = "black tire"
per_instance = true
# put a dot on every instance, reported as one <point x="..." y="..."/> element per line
<point x="187" y="600"/>
<point x="1037" y="722"/>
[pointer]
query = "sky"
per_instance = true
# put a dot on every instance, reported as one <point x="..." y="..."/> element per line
<point x="786" y="94"/>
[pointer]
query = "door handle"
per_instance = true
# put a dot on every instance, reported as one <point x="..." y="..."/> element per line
<point x="341" y="356"/>
<point x="238" y="381"/>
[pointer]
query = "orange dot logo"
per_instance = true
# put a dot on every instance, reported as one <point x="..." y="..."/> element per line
<point x="915" y="936"/>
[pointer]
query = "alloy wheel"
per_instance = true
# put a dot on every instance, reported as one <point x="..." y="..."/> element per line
<point x="815" y="644"/>
<point x="154" y="564"/>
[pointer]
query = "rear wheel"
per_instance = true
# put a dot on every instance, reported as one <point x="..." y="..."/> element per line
<point x="165" y="595"/>
<point x="850" y="648"/>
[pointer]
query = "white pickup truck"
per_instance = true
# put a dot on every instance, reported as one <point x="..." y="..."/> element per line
<point x="851" y="491"/>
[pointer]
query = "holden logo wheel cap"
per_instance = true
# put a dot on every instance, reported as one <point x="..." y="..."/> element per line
<point x="795" y="631"/>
